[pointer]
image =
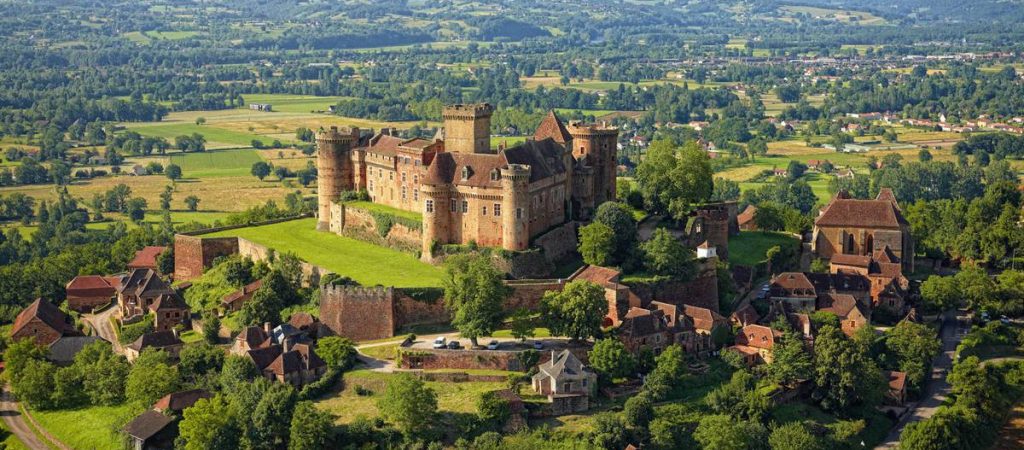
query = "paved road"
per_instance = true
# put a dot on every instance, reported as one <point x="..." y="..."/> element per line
<point x="937" y="388"/>
<point x="16" y="423"/>
<point x="101" y="324"/>
<point x="424" y="341"/>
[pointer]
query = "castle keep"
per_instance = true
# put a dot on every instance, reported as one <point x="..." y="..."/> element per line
<point x="466" y="191"/>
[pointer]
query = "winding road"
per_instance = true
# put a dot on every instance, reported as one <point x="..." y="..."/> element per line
<point x="101" y="324"/>
<point x="16" y="423"/>
<point x="937" y="389"/>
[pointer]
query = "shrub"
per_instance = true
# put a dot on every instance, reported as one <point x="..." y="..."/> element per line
<point x="131" y="332"/>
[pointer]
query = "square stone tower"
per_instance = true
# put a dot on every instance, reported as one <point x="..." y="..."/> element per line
<point x="467" y="128"/>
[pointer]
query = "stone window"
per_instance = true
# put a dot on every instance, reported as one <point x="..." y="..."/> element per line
<point x="429" y="206"/>
<point x="465" y="206"/>
<point x="465" y="173"/>
<point x="403" y="192"/>
<point x="483" y="211"/>
<point x="415" y="179"/>
<point x="519" y="213"/>
<point x="495" y="175"/>
<point x="391" y="175"/>
<point x="416" y="194"/>
<point x="497" y="210"/>
<point x="403" y="177"/>
<point x="453" y="205"/>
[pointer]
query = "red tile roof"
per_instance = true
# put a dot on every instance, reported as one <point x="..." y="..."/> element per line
<point x="89" y="286"/>
<point x="757" y="336"/>
<point x="703" y="318"/>
<point x="47" y="313"/>
<point x="244" y="293"/>
<point x="882" y="212"/>
<point x="897" y="380"/>
<point x="178" y="401"/>
<point x="747" y="215"/>
<point x="146" y="258"/>
<point x="552" y="127"/>
<point x="602" y="276"/>
<point x="851" y="260"/>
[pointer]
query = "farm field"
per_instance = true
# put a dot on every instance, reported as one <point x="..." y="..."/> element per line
<point x="212" y="164"/>
<point x="749" y="247"/>
<point x="453" y="399"/>
<point x="87" y="427"/>
<point x="293" y="103"/>
<point x="366" y="263"/>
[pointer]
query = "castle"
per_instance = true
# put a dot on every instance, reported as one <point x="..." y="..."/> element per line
<point x="466" y="191"/>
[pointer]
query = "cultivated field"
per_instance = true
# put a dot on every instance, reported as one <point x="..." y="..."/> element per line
<point x="366" y="263"/>
<point x="750" y="247"/>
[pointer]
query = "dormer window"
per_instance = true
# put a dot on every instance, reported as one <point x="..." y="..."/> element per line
<point x="495" y="175"/>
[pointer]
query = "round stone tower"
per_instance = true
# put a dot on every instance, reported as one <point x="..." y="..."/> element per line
<point x="515" y="219"/>
<point x="334" y="170"/>
<point x="436" y="215"/>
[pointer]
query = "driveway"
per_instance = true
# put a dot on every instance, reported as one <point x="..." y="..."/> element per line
<point x="937" y="389"/>
<point x="15" y="422"/>
<point x="426" y="342"/>
<point x="100" y="323"/>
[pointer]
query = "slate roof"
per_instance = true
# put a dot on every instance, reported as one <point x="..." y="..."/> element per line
<point x="553" y="128"/>
<point x="839" y="304"/>
<point x="46" y="312"/>
<point x="824" y="282"/>
<point x="168" y="301"/>
<point x="178" y="401"/>
<point x="641" y="322"/>
<point x="745" y="315"/>
<point x="302" y="320"/>
<point x="64" y="349"/>
<point x="562" y="364"/>
<point x="147" y="424"/>
<point x="146" y="257"/>
<point x="156" y="339"/>
<point x="144" y="282"/>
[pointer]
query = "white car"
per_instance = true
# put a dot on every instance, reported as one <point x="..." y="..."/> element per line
<point x="440" y="342"/>
<point x="493" y="345"/>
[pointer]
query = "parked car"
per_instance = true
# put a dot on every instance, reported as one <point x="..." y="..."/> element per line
<point x="493" y="345"/>
<point x="538" y="345"/>
<point x="454" y="345"/>
<point x="440" y="342"/>
<point x="1005" y="320"/>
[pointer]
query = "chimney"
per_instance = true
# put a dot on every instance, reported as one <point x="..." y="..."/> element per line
<point x="285" y="345"/>
<point x="266" y="328"/>
<point x="174" y="331"/>
<point x="552" y="356"/>
<point x="355" y="134"/>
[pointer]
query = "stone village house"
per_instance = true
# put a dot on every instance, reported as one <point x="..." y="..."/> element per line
<point x="566" y="382"/>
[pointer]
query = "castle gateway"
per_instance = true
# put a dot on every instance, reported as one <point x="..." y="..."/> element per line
<point x="466" y="191"/>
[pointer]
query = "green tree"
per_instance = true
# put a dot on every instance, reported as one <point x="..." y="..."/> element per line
<point x="270" y="421"/>
<point x="576" y="311"/>
<point x="35" y="385"/>
<point x="597" y="244"/>
<point x="721" y="432"/>
<point x="666" y="255"/>
<point x="173" y="172"/>
<point x="408" y="403"/>
<point x="474" y="293"/>
<point x="914" y="346"/>
<point x="211" y="328"/>
<point x="338" y="352"/>
<point x="165" y="198"/>
<point x="638" y="411"/>
<point x="492" y="408"/>
<point x="200" y="364"/>
<point x="264" y="306"/>
<point x="210" y="424"/>
<point x="845" y="376"/>
<point x="136" y="209"/>
<point x="151" y="377"/>
<point x="237" y="370"/>
<point x="522" y="324"/>
<point x="790" y="360"/>
<point x="609" y="431"/>
<point x="192" y="202"/>
<point x="672" y="179"/>
<point x="310" y="427"/>
<point x="620" y="219"/>
<point x="260" y="170"/>
<point x="794" y="436"/>
<point x="103" y="373"/>
<point x="740" y="398"/>
<point x="611" y="358"/>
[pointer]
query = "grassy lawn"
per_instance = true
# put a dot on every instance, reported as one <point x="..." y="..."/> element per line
<point x="876" y="428"/>
<point x="224" y="163"/>
<point x="87" y="428"/>
<point x="294" y="103"/>
<point x="10" y="441"/>
<point x="216" y="137"/>
<point x="191" y="337"/>
<point x="452" y="398"/>
<point x="388" y="352"/>
<point x="750" y="247"/>
<point x="385" y="209"/>
<point x="365" y="263"/>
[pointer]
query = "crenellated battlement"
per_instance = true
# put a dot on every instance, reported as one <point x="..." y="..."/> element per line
<point x="467" y="111"/>
<point x="356" y="293"/>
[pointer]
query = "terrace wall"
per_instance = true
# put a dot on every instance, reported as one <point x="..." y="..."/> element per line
<point x="358" y="223"/>
<point x="702" y="291"/>
<point x="193" y="254"/>
<point x="311" y="273"/>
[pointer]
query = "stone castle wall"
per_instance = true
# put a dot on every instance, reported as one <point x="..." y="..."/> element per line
<point x="193" y="254"/>
<point x="702" y="291"/>
<point x="360" y="224"/>
<point x="558" y="243"/>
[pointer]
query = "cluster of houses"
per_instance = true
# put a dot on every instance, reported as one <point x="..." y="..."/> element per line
<point x="983" y="123"/>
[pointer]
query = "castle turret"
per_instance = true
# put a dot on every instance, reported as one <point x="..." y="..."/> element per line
<point x="334" y="169"/>
<point x="598" y="144"/>
<point x="467" y="128"/>
<point x="515" y="219"/>
<point x="436" y="215"/>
